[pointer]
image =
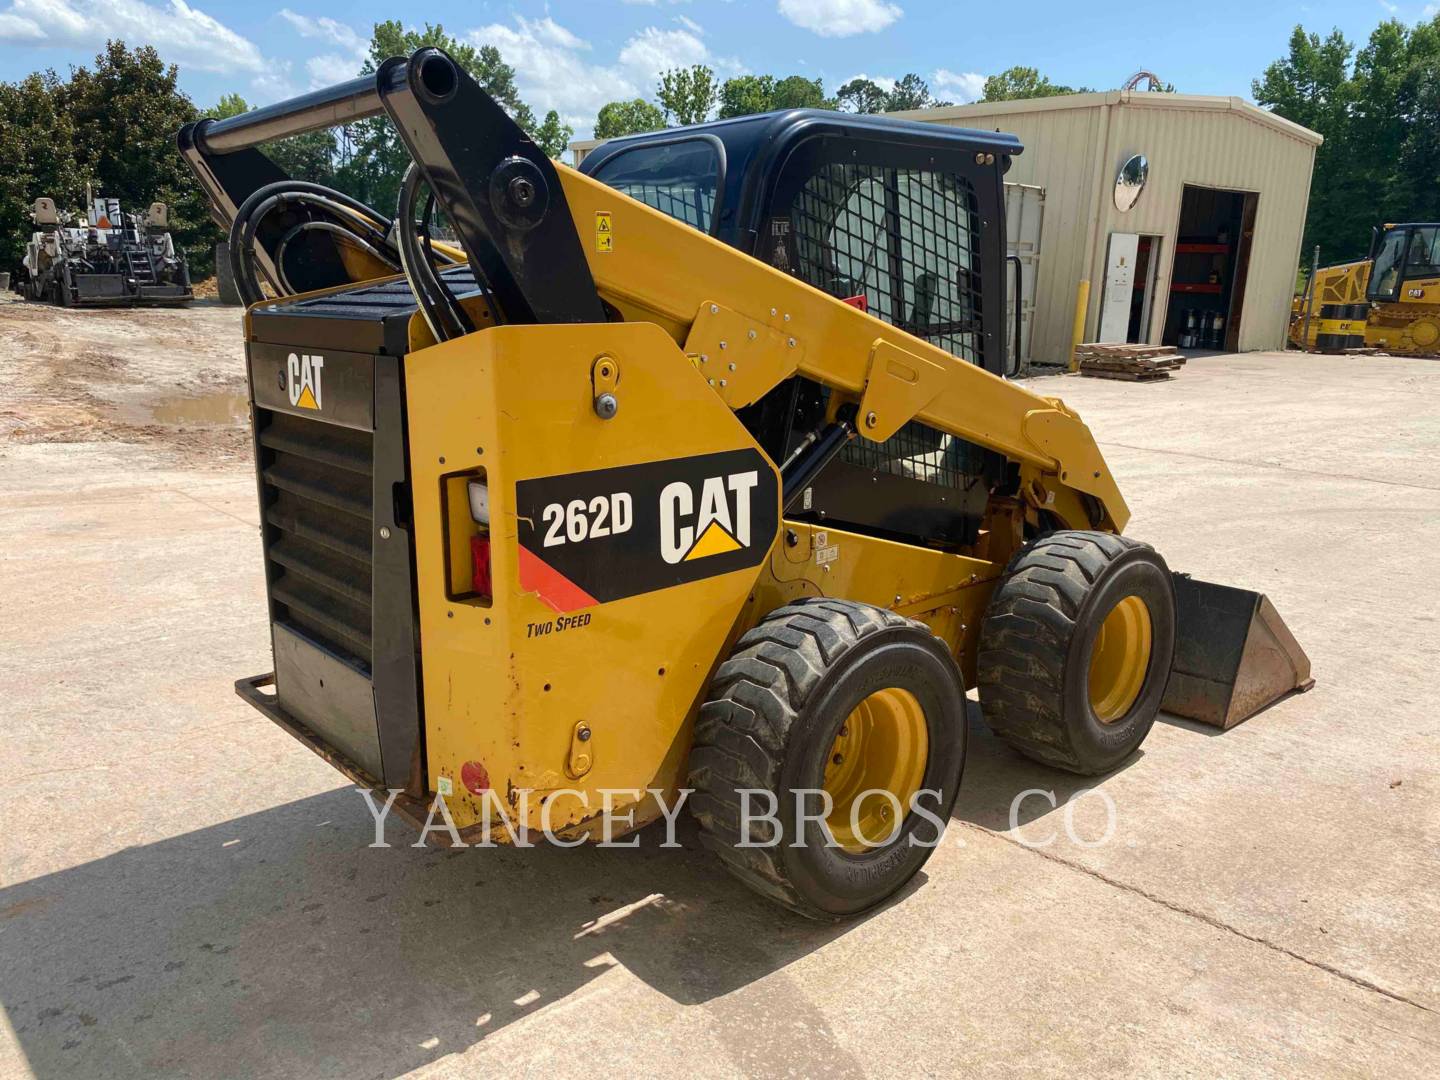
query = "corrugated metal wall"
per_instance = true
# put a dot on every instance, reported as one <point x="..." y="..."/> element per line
<point x="1066" y="170"/>
<point x="1220" y="149"/>
<point x="1073" y="150"/>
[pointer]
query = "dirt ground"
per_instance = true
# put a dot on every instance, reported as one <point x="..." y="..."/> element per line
<point x="185" y="891"/>
<point x="170" y="378"/>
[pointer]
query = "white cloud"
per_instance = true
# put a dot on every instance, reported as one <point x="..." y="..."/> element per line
<point x="327" y="69"/>
<point x="884" y="82"/>
<point x="653" y="50"/>
<point x="690" y="24"/>
<point x="333" y="66"/>
<point x="1391" y="8"/>
<point x="555" y="69"/>
<point x="840" y="18"/>
<point x="180" y="33"/>
<point x="963" y="87"/>
<point x="326" y="29"/>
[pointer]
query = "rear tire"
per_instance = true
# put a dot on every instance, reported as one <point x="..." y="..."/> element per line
<point x="1050" y="685"/>
<point x="794" y="685"/>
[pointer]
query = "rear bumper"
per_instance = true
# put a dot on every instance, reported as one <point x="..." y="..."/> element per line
<point x="145" y="296"/>
<point x="252" y="690"/>
<point x="406" y="805"/>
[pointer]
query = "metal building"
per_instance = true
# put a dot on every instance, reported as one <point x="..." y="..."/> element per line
<point x="1206" y="257"/>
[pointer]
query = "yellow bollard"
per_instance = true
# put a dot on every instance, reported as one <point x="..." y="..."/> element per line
<point x="1082" y="301"/>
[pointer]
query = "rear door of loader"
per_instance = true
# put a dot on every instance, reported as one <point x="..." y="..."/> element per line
<point x="327" y="390"/>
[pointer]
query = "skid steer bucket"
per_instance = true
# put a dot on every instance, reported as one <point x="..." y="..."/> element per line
<point x="1234" y="655"/>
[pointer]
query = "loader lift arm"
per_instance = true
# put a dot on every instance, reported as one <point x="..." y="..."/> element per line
<point x="524" y="221"/>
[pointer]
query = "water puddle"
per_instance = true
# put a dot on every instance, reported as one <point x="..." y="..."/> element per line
<point x="222" y="409"/>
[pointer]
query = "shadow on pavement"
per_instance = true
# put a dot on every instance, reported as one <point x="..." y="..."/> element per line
<point x="280" y="943"/>
<point x="996" y="774"/>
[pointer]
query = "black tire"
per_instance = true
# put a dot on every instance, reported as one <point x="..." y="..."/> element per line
<point x="775" y="709"/>
<point x="1037" y="641"/>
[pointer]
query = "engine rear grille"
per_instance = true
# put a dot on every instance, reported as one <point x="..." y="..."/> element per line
<point x="316" y="480"/>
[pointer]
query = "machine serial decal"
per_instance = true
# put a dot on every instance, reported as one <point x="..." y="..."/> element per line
<point x="592" y="537"/>
<point x="302" y="380"/>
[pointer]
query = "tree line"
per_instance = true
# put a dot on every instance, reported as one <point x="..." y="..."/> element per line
<point x="1379" y="110"/>
<point x="693" y="94"/>
<point x="112" y="125"/>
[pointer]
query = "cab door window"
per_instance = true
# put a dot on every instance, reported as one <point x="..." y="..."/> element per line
<point x="1423" y="259"/>
<point x="1385" y="274"/>
<point x="902" y="241"/>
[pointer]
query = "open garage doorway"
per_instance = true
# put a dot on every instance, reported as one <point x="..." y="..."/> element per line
<point x="1210" y="267"/>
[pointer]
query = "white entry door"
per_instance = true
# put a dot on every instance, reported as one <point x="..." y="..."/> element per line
<point x="1119" y="286"/>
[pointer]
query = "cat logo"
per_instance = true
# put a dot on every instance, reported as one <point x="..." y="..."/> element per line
<point x="302" y="380"/>
<point x="721" y="523"/>
<point x="594" y="537"/>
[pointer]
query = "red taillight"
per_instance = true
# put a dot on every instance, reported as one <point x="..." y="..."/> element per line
<point x="480" y="565"/>
<point x="861" y="301"/>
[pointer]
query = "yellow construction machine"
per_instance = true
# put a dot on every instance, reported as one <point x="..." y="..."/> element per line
<point x="1389" y="300"/>
<point x="695" y="472"/>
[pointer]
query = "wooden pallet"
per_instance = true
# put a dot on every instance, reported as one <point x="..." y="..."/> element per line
<point x="1129" y="363"/>
<point x="1110" y="351"/>
<point x="1126" y="376"/>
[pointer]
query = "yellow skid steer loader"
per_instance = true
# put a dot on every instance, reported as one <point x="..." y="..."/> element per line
<point x="699" y="472"/>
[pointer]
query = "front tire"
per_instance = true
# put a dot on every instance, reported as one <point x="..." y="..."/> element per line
<point x="841" y="697"/>
<point x="1076" y="648"/>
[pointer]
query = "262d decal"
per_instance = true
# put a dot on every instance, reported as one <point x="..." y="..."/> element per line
<point x="591" y="537"/>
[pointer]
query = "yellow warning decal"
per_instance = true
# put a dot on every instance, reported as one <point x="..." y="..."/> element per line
<point x="604" y="233"/>
<point x="713" y="541"/>
<point x="307" y="400"/>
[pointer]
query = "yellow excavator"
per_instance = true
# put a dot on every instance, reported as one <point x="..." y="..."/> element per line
<point x="698" y="476"/>
<point x="1389" y="301"/>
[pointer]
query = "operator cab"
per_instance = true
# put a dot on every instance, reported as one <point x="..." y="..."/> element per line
<point x="1403" y="255"/>
<point x="902" y="219"/>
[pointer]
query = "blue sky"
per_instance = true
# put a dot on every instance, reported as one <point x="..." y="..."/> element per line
<point x="574" y="55"/>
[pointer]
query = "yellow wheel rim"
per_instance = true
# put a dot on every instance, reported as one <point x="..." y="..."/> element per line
<point x="1120" y="659"/>
<point x="883" y="745"/>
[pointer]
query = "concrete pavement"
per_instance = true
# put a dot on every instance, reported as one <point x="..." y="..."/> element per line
<point x="186" y="891"/>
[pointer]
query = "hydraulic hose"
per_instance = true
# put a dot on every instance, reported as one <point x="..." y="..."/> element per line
<point x="438" y="306"/>
<point x="335" y="203"/>
<point x="344" y="235"/>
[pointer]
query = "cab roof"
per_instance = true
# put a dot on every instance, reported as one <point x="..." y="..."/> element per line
<point x="751" y="149"/>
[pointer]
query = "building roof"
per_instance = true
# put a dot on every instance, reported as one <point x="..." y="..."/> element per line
<point x="974" y="114"/>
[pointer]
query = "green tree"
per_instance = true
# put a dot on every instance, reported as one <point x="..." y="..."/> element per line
<point x="911" y="92"/>
<point x="552" y="136"/>
<point x="1311" y="85"/>
<point x="1024" y="82"/>
<point x="618" y="118"/>
<point x="798" y="92"/>
<point x="867" y="96"/>
<point x="746" y="95"/>
<point x="125" y="111"/>
<point x="861" y="96"/>
<point x="687" y="94"/>
<point x="37" y="140"/>
<point x="1382" y="101"/>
